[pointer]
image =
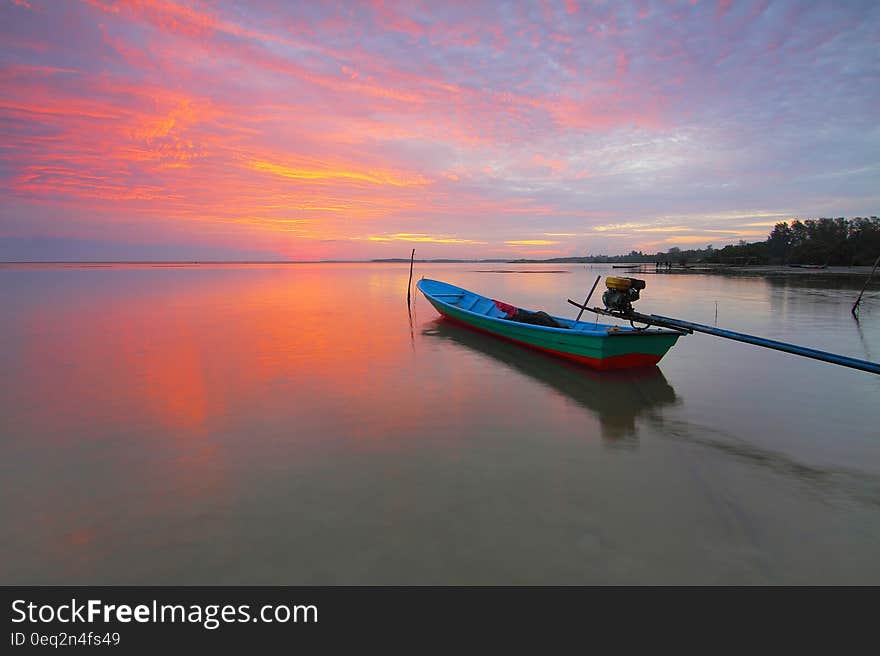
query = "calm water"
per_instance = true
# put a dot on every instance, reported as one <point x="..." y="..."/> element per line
<point x="292" y="425"/>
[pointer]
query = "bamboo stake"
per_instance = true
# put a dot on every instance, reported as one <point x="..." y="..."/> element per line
<point x="409" y="284"/>
<point x="855" y="307"/>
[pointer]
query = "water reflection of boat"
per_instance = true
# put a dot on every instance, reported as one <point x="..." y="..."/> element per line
<point x="616" y="397"/>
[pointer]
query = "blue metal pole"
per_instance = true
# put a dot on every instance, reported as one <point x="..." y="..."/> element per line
<point x="833" y="358"/>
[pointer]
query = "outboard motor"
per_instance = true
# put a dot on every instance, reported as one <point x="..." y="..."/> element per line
<point x="621" y="293"/>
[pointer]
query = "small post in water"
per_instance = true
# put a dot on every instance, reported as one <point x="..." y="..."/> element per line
<point x="855" y="307"/>
<point x="409" y="284"/>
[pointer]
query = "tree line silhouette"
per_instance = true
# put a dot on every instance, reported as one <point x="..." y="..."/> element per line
<point x="833" y="242"/>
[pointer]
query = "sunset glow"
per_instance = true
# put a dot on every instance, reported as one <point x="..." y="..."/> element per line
<point x="155" y="129"/>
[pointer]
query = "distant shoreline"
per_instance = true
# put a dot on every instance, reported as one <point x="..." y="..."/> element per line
<point x="622" y="269"/>
<point x="762" y="269"/>
<point x="644" y="268"/>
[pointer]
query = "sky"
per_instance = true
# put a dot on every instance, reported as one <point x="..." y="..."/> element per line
<point x="271" y="129"/>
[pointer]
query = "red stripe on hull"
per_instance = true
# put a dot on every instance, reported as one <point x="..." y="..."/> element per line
<point x="628" y="361"/>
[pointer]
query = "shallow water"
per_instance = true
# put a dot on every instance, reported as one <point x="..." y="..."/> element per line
<point x="294" y="424"/>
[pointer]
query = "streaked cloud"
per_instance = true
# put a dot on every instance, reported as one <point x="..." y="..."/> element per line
<point x="424" y="239"/>
<point x="317" y="174"/>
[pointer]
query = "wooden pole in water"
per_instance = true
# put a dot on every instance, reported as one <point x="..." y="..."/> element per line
<point x="412" y="258"/>
<point x="592" y="289"/>
<point x="855" y="307"/>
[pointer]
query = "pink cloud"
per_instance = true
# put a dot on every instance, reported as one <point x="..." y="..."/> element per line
<point x="622" y="64"/>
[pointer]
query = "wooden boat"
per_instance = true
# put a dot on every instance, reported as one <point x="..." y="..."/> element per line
<point x="601" y="346"/>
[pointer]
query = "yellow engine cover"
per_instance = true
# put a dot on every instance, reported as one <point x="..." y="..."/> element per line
<point x="621" y="284"/>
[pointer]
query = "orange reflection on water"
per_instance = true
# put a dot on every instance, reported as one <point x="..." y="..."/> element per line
<point x="186" y="357"/>
<point x="163" y="385"/>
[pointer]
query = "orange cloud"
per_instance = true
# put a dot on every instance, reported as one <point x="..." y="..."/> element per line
<point x="423" y="238"/>
<point x="302" y="173"/>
